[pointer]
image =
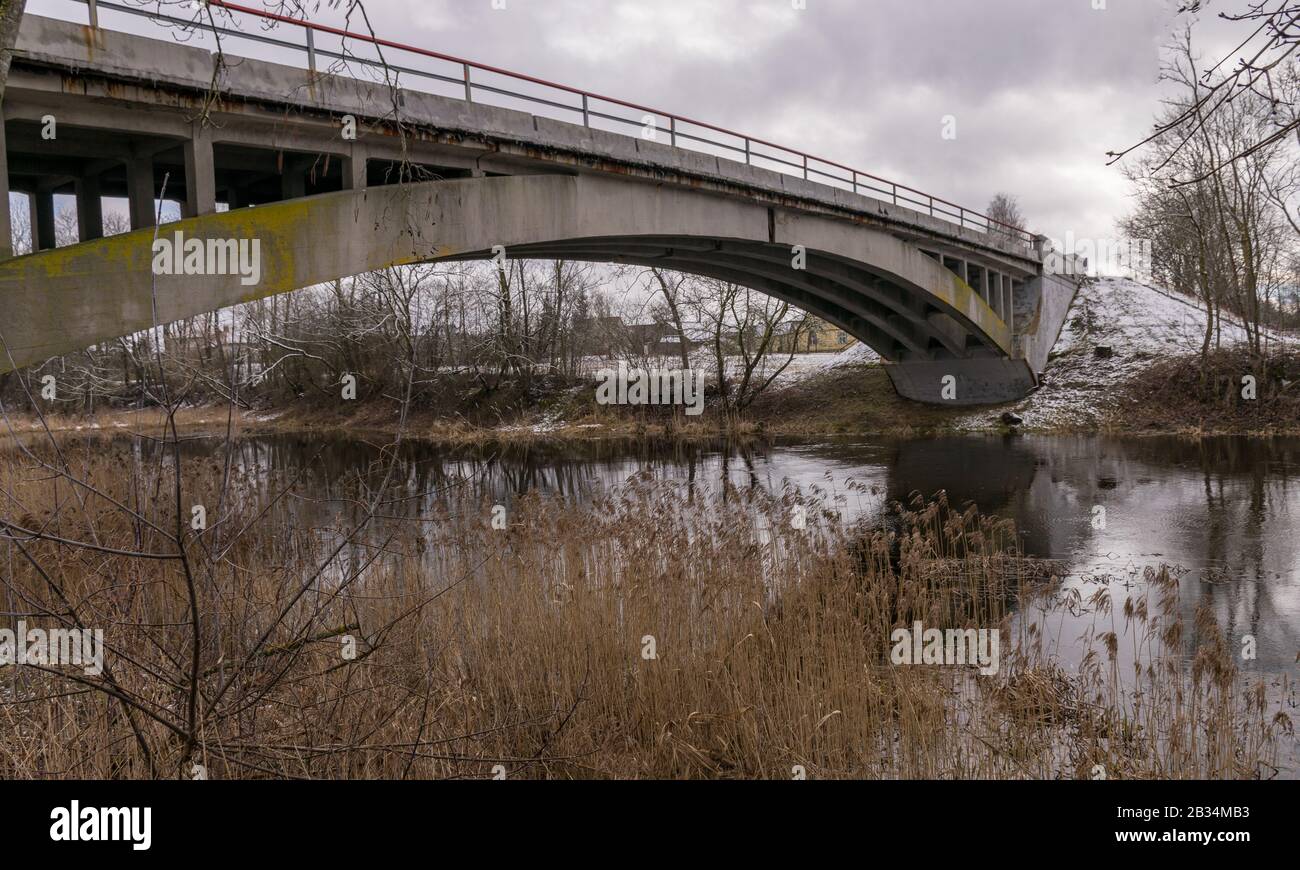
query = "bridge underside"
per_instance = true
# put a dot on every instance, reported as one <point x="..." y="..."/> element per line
<point x="920" y="316"/>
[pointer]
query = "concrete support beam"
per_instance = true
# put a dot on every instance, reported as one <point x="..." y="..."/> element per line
<point x="90" y="209"/>
<point x="6" y="225"/>
<point x="200" y="173"/>
<point x="43" y="220"/>
<point x="1006" y="299"/>
<point x="141" y="193"/>
<point x="354" y="170"/>
<point x="293" y="183"/>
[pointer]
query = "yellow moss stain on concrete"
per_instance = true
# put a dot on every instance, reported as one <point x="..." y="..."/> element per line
<point x="963" y="297"/>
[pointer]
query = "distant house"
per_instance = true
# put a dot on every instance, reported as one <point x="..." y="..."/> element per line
<point x="816" y="336"/>
<point x="656" y="339"/>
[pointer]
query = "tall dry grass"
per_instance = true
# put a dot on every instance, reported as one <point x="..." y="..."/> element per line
<point x="525" y="652"/>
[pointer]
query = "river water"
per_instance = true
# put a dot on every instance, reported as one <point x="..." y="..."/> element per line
<point x="1227" y="510"/>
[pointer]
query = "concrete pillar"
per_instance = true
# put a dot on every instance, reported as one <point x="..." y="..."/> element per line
<point x="1011" y="304"/>
<point x="90" y="209"/>
<point x="292" y="182"/>
<point x="354" y="171"/>
<point x="43" y="221"/>
<point x="6" y="225"/>
<point x="200" y="173"/>
<point x="140" y="192"/>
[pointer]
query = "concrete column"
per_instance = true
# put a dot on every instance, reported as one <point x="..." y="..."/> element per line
<point x="43" y="220"/>
<point x="90" y="209"/>
<point x="292" y="182"/>
<point x="6" y="225"/>
<point x="1011" y="304"/>
<point x="354" y="170"/>
<point x="200" y="173"/>
<point x="141" y="192"/>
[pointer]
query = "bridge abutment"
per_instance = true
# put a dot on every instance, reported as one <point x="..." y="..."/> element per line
<point x="961" y="382"/>
<point x="1039" y="308"/>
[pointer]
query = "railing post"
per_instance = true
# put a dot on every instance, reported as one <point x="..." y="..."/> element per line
<point x="672" y="131"/>
<point x="94" y="14"/>
<point x="961" y="217"/>
<point x="586" y="112"/>
<point x="931" y="205"/>
<point x="805" y="167"/>
<point x="311" y="52"/>
<point x="746" y="150"/>
<point x="895" y="187"/>
<point x="469" y="92"/>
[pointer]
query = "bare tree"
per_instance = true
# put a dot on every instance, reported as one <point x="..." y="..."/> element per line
<point x="743" y="326"/>
<point x="1004" y="215"/>
<point x="1263" y="67"/>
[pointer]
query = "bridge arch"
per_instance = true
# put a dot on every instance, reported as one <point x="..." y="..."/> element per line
<point x="881" y="290"/>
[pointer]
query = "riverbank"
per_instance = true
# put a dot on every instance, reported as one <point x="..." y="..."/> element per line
<point x="644" y="632"/>
<point x="1127" y="362"/>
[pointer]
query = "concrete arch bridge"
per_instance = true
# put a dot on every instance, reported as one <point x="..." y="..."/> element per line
<point x="937" y="292"/>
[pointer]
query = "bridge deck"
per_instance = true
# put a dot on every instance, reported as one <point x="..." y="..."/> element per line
<point x="139" y="117"/>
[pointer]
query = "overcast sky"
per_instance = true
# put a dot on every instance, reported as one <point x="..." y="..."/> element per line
<point x="1039" y="89"/>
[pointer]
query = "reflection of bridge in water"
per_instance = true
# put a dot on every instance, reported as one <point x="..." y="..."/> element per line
<point x="1228" y="509"/>
<point x="945" y="295"/>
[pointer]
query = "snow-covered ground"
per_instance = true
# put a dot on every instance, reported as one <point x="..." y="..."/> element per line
<point x="1137" y="322"/>
<point x="806" y="365"/>
<point x="800" y="367"/>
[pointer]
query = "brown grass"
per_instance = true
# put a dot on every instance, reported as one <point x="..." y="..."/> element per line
<point x="523" y="651"/>
<point x="1178" y="396"/>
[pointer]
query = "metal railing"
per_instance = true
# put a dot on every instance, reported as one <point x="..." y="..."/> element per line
<point x="681" y="131"/>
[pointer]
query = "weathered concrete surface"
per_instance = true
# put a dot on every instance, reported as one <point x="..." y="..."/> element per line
<point x="974" y="381"/>
<point x="1042" y="306"/>
<point x="885" y="273"/>
<point x="1046" y="303"/>
<point x="63" y="300"/>
<point x="504" y="137"/>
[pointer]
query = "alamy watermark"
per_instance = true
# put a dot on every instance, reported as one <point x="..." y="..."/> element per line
<point x="624" y="386"/>
<point x="953" y="646"/>
<point x="1080" y="257"/>
<point x="80" y="647"/>
<point x="181" y="256"/>
<point x="76" y="823"/>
